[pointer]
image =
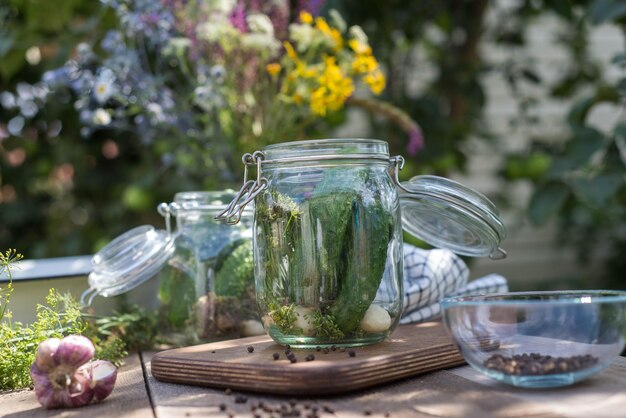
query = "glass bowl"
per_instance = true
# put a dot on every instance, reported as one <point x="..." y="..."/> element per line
<point x="538" y="339"/>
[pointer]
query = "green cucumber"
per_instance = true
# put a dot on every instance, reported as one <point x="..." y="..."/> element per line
<point x="236" y="274"/>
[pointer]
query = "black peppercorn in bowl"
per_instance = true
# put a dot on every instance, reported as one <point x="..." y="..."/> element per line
<point x="538" y="339"/>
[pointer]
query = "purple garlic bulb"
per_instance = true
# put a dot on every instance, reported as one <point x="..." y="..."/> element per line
<point x="62" y="387"/>
<point x="63" y="377"/>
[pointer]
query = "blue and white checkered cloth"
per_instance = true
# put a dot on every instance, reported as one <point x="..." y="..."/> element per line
<point x="431" y="275"/>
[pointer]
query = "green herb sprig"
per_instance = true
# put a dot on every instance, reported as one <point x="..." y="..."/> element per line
<point x="284" y="317"/>
<point x="326" y="326"/>
<point x="7" y="262"/>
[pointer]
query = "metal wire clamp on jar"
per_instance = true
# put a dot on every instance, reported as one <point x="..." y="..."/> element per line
<point x="328" y="236"/>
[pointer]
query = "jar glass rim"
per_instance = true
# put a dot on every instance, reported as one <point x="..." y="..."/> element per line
<point x="547" y="298"/>
<point x="311" y="150"/>
<point x="204" y="201"/>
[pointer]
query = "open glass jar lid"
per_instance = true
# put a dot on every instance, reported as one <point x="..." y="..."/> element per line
<point x="446" y="214"/>
<point x="127" y="261"/>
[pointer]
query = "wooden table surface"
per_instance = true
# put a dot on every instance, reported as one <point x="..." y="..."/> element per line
<point x="458" y="392"/>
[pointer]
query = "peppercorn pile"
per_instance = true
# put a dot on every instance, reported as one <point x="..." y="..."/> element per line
<point x="535" y="364"/>
<point x="293" y="408"/>
<point x="291" y="356"/>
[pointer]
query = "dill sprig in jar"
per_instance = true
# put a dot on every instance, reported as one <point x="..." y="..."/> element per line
<point x="328" y="236"/>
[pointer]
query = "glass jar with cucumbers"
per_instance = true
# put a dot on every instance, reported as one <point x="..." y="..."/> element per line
<point x="327" y="236"/>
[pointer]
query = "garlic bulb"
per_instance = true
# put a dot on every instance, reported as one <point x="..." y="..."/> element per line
<point x="62" y="376"/>
<point x="62" y="387"/>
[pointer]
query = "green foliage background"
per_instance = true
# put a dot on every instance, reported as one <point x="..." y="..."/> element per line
<point x="579" y="180"/>
<point x="47" y="212"/>
<point x="43" y="211"/>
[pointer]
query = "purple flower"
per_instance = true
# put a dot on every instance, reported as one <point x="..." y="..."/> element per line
<point x="238" y="17"/>
<point x="416" y="140"/>
<point x="151" y="18"/>
<point x="312" y="6"/>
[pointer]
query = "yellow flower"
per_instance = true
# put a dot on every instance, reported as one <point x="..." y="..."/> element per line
<point x="360" y="47"/>
<point x="318" y="101"/>
<point x="306" y="17"/>
<point x="322" y="25"/>
<point x="376" y="81"/>
<point x="273" y="68"/>
<point x="291" y="53"/>
<point x="304" y="71"/>
<point x="331" y="70"/>
<point x="332" y="33"/>
<point x="336" y="36"/>
<point x="364" y="64"/>
<point x="333" y="91"/>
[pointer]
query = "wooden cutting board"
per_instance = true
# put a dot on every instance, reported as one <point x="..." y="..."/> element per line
<point x="411" y="350"/>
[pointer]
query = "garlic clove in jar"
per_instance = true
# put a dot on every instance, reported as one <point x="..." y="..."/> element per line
<point x="304" y="320"/>
<point x="251" y="328"/>
<point x="376" y="319"/>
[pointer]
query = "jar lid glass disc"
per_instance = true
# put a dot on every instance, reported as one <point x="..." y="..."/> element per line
<point x="129" y="260"/>
<point x="446" y="214"/>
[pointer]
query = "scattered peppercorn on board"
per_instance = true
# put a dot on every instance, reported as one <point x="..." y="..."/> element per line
<point x="249" y="364"/>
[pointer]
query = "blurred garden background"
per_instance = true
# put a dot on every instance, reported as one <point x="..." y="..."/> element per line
<point x="109" y="107"/>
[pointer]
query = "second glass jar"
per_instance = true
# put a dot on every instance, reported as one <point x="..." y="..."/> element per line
<point x="197" y="280"/>
<point x="219" y="259"/>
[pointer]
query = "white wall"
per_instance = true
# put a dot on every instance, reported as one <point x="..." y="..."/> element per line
<point x="534" y="255"/>
<point x="33" y="279"/>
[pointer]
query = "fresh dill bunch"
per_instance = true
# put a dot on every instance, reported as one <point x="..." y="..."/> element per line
<point x="7" y="262"/>
<point x="284" y="317"/>
<point x="111" y="348"/>
<point x="284" y="206"/>
<point x="325" y="326"/>
<point x="59" y="316"/>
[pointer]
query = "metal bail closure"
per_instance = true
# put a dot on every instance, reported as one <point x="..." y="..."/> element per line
<point x="447" y="214"/>
<point x="249" y="190"/>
